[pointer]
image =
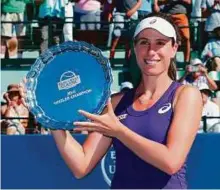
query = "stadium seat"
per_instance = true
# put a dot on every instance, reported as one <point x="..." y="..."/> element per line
<point x="179" y="56"/>
<point x="179" y="74"/>
<point x="30" y="54"/>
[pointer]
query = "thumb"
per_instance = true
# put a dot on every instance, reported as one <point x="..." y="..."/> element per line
<point x="109" y="106"/>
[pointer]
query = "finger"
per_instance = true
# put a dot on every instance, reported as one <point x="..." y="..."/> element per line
<point x="89" y="115"/>
<point x="81" y="129"/>
<point x="85" y="124"/>
<point x="109" y="106"/>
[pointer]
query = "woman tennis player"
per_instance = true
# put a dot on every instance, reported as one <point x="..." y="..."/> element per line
<point x="152" y="127"/>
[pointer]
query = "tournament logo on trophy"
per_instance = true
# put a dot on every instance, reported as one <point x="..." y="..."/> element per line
<point x="68" y="80"/>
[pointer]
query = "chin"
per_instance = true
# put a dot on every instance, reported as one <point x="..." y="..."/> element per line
<point x="151" y="73"/>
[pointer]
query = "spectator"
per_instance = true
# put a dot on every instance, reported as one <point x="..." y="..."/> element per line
<point x="87" y="11"/>
<point x="211" y="10"/>
<point x="179" y="11"/>
<point x="213" y="64"/>
<point x="51" y="21"/>
<point x="196" y="10"/>
<point x="3" y="50"/>
<point x="120" y="12"/>
<point x="12" y="45"/>
<point x="196" y="74"/>
<point x="68" y="26"/>
<point x="107" y="5"/>
<point x="210" y="109"/>
<point x="125" y="86"/>
<point x="212" y="47"/>
<point x="145" y="9"/>
<point x="12" y="11"/>
<point x="14" y="107"/>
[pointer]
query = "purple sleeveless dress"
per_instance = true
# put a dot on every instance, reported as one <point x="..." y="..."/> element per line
<point x="153" y="123"/>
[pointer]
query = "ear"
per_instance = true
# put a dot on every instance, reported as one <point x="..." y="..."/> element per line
<point x="174" y="50"/>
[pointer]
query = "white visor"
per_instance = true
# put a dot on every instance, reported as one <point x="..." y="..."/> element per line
<point x="157" y="23"/>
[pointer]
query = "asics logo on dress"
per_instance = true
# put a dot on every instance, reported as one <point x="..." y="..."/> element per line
<point x="165" y="108"/>
<point x="123" y="116"/>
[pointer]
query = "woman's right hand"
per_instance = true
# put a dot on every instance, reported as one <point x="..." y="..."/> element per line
<point x="6" y="97"/>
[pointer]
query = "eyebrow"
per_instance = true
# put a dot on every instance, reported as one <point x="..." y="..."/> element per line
<point x="159" y="39"/>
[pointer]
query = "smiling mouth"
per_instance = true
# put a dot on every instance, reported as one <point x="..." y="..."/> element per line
<point x="151" y="62"/>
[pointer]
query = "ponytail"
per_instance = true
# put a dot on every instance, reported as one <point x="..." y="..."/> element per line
<point x="172" y="70"/>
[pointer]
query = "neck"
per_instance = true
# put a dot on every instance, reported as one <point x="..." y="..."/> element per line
<point x="150" y="90"/>
<point x="153" y="85"/>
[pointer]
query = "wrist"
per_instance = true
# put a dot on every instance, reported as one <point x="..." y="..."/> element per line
<point x="121" y="132"/>
<point x="205" y="74"/>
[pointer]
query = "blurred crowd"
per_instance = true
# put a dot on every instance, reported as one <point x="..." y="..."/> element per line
<point x="57" y="20"/>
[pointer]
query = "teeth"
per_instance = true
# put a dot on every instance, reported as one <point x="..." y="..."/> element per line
<point x="150" y="62"/>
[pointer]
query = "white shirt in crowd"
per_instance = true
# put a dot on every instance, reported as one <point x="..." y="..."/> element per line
<point x="210" y="109"/>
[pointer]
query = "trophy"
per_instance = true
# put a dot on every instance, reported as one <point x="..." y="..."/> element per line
<point x="66" y="78"/>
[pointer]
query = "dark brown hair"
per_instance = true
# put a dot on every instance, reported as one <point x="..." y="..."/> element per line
<point x="172" y="67"/>
<point x="211" y="64"/>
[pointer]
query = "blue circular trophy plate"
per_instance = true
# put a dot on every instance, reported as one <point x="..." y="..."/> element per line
<point x="66" y="78"/>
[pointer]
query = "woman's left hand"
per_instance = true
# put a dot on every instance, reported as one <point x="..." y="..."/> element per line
<point x="203" y="69"/>
<point x="106" y="124"/>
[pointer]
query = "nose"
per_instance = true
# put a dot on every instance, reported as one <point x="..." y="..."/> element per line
<point x="151" y="50"/>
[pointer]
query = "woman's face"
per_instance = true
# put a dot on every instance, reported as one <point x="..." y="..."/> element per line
<point x="14" y="96"/>
<point x="154" y="52"/>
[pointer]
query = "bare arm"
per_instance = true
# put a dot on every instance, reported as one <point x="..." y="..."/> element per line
<point x="134" y="9"/>
<point x="156" y="6"/>
<point x="211" y="83"/>
<point x="81" y="159"/>
<point x="170" y="157"/>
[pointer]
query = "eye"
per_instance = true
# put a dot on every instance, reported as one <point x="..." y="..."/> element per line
<point x="161" y="43"/>
<point x="142" y="42"/>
